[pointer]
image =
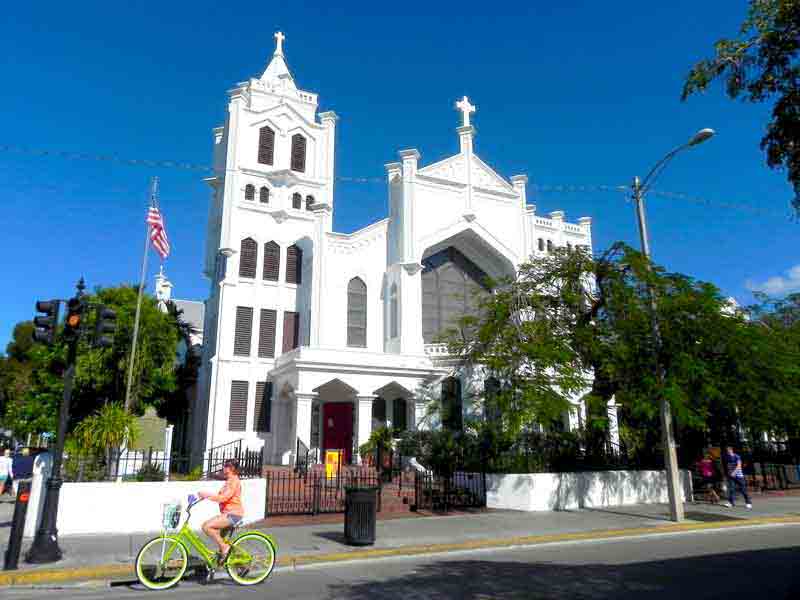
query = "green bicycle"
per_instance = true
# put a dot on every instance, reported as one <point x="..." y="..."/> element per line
<point x="162" y="562"/>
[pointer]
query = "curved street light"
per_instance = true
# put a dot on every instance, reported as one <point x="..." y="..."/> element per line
<point x="670" y="456"/>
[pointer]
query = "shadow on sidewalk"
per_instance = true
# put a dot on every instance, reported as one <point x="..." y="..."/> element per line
<point x="714" y="576"/>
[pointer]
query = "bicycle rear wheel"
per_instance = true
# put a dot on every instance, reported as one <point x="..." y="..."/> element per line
<point x="251" y="559"/>
<point x="161" y="563"/>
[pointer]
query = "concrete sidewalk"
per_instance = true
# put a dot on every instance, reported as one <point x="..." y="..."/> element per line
<point x="109" y="557"/>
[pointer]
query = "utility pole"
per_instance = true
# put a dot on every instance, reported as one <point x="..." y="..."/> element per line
<point x="667" y="433"/>
<point x="45" y="547"/>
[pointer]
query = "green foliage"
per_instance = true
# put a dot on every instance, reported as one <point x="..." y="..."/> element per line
<point x="382" y="437"/>
<point x="150" y="472"/>
<point x="762" y="65"/>
<point x="109" y="428"/>
<point x="30" y="375"/>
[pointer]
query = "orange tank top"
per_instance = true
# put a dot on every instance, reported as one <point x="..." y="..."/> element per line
<point x="230" y="498"/>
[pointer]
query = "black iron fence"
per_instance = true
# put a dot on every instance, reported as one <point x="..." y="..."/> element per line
<point x="312" y="492"/>
<point x="460" y="490"/>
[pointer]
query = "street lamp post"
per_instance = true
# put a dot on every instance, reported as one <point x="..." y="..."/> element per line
<point x="667" y="434"/>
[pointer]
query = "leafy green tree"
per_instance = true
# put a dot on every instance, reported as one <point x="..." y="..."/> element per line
<point x="761" y="65"/>
<point x="570" y="324"/>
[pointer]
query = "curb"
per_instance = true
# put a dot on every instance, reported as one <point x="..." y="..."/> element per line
<point x="119" y="571"/>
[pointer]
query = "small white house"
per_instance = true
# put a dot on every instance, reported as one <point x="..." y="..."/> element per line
<point x="315" y="335"/>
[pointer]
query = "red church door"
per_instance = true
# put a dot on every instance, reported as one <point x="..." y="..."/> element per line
<point x="337" y="428"/>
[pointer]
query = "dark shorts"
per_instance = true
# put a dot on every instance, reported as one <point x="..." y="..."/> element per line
<point x="234" y="520"/>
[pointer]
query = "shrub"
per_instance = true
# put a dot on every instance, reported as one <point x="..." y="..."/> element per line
<point x="150" y="472"/>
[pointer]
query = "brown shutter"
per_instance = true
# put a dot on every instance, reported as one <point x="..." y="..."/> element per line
<point x="291" y="330"/>
<point x="237" y="416"/>
<point x="244" y="331"/>
<point x="272" y="261"/>
<point x="262" y="415"/>
<point x="294" y="263"/>
<point x="266" y="146"/>
<point x="298" y="153"/>
<point x="266" y="333"/>
<point x="297" y="200"/>
<point x="263" y="195"/>
<point x="248" y="256"/>
<point x="249" y="192"/>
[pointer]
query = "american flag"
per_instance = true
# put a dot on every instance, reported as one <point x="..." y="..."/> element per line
<point x="158" y="234"/>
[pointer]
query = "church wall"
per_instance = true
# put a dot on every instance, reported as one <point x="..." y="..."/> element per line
<point x="437" y="208"/>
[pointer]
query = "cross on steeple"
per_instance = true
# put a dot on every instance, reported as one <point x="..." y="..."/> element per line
<point x="466" y="108"/>
<point x="279" y="37"/>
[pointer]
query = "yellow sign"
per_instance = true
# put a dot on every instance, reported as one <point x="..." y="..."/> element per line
<point x="332" y="460"/>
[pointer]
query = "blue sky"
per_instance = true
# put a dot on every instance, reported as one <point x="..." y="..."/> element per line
<point x="573" y="94"/>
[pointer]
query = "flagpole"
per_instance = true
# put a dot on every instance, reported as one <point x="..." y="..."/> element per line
<point x="128" y="393"/>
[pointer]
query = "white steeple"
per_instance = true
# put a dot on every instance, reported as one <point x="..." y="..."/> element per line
<point x="277" y="72"/>
<point x="163" y="287"/>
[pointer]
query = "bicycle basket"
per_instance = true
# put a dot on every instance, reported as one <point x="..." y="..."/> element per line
<point x="171" y="515"/>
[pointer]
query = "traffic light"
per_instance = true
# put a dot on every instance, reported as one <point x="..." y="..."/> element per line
<point x="105" y="327"/>
<point x="45" y="325"/>
<point x="72" y="323"/>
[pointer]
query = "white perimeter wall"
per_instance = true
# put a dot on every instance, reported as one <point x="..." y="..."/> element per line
<point x="566" y="491"/>
<point x="135" y="507"/>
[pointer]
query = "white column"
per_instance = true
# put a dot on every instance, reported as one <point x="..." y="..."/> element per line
<point x="363" y="419"/>
<point x="409" y="158"/>
<point x="586" y="224"/>
<point x="328" y="120"/>
<point x="465" y="136"/>
<point x="410" y="300"/>
<point x="322" y="216"/>
<point x="303" y="418"/>
<point x="557" y="216"/>
<point x="519" y="182"/>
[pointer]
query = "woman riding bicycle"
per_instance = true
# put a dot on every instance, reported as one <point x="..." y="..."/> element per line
<point x="230" y="507"/>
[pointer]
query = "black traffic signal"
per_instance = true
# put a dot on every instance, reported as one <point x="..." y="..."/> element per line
<point x="105" y="327"/>
<point x="74" y="319"/>
<point x="45" y="325"/>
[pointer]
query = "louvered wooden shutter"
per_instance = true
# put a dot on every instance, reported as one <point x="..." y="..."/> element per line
<point x="393" y="316"/>
<point x="294" y="262"/>
<point x="237" y="416"/>
<point x="266" y="333"/>
<point x="291" y="330"/>
<point x="357" y="313"/>
<point x="248" y="256"/>
<point x="244" y="331"/>
<point x="297" y="200"/>
<point x="266" y="146"/>
<point x="249" y="192"/>
<point x="298" y="153"/>
<point x="549" y="245"/>
<point x="263" y="195"/>
<point x="272" y="261"/>
<point x="309" y="202"/>
<point x="262" y="415"/>
<point x="541" y="245"/>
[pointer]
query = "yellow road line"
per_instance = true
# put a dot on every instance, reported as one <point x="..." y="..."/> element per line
<point x="118" y="571"/>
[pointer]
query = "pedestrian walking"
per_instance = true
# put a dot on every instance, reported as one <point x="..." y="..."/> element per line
<point x="6" y="472"/>
<point x="733" y="467"/>
<point x="705" y="468"/>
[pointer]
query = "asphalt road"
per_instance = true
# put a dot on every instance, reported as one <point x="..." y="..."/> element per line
<point x="752" y="562"/>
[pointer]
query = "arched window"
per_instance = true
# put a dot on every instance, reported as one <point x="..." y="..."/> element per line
<point x="549" y="245"/>
<point x="541" y="245"/>
<point x="452" y="286"/>
<point x="298" y="153"/>
<point x="248" y="256"/>
<point x="266" y="146"/>
<point x="272" y="261"/>
<point x="263" y="195"/>
<point x="452" y="407"/>
<point x="249" y="192"/>
<point x="297" y="200"/>
<point x="294" y="263"/>
<point x="400" y="414"/>
<point x="393" y="316"/>
<point x="357" y="313"/>
<point x="309" y="202"/>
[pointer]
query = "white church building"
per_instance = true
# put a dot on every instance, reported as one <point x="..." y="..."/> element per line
<point x="317" y="336"/>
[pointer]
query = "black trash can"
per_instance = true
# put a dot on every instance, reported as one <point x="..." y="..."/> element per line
<point x="360" y="515"/>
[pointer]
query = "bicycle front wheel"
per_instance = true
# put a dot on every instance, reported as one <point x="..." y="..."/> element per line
<point x="161" y="563"/>
<point x="251" y="559"/>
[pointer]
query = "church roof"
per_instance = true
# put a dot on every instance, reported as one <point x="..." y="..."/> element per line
<point x="193" y="312"/>
<point x="278" y="71"/>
